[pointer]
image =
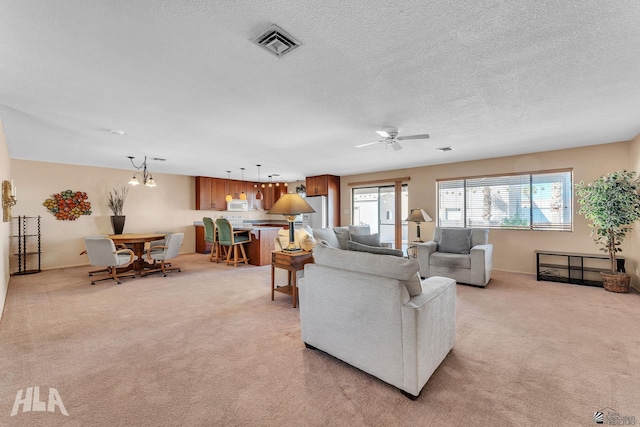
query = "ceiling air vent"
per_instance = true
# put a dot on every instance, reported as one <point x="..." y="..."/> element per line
<point x="445" y="149"/>
<point x="277" y="41"/>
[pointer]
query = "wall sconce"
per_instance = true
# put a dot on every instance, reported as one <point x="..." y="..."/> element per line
<point x="147" y="178"/>
<point x="8" y="199"/>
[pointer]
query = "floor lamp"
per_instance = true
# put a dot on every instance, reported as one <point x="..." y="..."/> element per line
<point x="418" y="216"/>
<point x="291" y="205"/>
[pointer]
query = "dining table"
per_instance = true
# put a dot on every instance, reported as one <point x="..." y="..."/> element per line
<point x="136" y="242"/>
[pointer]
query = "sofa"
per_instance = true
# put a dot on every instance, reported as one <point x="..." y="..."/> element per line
<point x="374" y="312"/>
<point x="351" y="237"/>
<point x="463" y="254"/>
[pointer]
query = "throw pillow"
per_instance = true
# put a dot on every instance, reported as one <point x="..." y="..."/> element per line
<point x="359" y="247"/>
<point x="455" y="241"/>
<point x="327" y="234"/>
<point x="369" y="240"/>
<point x="342" y="233"/>
<point x="283" y="237"/>
<point x="305" y="240"/>
<point x="359" y="229"/>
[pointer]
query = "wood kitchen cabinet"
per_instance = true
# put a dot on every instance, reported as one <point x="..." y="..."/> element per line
<point x="327" y="185"/>
<point x="203" y="193"/>
<point x="272" y="194"/>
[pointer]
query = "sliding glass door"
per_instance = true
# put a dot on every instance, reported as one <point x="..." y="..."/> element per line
<point x="377" y="208"/>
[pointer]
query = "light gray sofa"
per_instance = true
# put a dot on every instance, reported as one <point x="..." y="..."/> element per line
<point x="373" y="312"/>
<point x="463" y="254"/>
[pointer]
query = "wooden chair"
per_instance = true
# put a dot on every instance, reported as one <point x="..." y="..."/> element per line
<point x="163" y="253"/>
<point x="227" y="237"/>
<point x="211" y="236"/>
<point x="102" y="253"/>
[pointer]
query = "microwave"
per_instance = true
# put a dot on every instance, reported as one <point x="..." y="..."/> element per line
<point x="238" y="205"/>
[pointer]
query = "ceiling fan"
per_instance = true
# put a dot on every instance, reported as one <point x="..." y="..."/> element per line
<point x="391" y="138"/>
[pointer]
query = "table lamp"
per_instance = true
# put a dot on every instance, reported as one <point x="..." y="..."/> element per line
<point x="291" y="205"/>
<point x="418" y="216"/>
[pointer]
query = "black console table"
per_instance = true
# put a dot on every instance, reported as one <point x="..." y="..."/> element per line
<point x="572" y="267"/>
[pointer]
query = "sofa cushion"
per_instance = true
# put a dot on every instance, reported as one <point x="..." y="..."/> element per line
<point x="402" y="269"/>
<point x="359" y="229"/>
<point x="455" y="240"/>
<point x="359" y="247"/>
<point x="328" y="235"/>
<point x="367" y="239"/>
<point x="479" y="236"/>
<point x="342" y="233"/>
<point x="443" y="259"/>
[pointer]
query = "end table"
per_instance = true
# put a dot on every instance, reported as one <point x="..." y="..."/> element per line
<point x="292" y="262"/>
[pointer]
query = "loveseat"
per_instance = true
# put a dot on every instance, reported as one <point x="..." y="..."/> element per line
<point x="375" y="313"/>
<point x="463" y="254"/>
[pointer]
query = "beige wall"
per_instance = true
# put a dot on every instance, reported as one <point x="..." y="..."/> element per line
<point x="5" y="173"/>
<point x="513" y="249"/>
<point x="168" y="207"/>
<point x="634" y="237"/>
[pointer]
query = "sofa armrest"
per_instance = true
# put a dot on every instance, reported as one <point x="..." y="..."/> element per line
<point x="423" y="252"/>
<point x="481" y="264"/>
<point x="428" y="318"/>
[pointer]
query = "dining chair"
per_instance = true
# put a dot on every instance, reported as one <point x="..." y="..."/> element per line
<point x="211" y="236"/>
<point x="232" y="240"/>
<point x="102" y="252"/>
<point x="169" y="250"/>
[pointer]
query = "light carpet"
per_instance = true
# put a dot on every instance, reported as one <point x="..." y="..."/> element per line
<point x="208" y="347"/>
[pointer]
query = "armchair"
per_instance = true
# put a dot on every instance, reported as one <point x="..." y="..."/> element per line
<point x="102" y="253"/>
<point x="462" y="254"/>
<point x="169" y="250"/>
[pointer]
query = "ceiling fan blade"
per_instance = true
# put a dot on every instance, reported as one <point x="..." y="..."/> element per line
<point x="368" y="143"/>
<point x="396" y="146"/>
<point x="423" y="136"/>
<point x="383" y="134"/>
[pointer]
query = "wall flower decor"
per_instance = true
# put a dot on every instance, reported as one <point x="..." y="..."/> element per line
<point x="68" y="205"/>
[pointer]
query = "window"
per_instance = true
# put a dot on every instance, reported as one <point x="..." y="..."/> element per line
<point x="528" y="201"/>
<point x="375" y="207"/>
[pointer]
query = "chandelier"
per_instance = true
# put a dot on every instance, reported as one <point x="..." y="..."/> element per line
<point x="147" y="178"/>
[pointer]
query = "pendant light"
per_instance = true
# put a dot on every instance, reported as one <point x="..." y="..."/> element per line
<point x="229" y="198"/>
<point x="258" y="194"/>
<point x="243" y="196"/>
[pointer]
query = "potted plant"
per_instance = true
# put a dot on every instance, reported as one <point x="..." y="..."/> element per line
<point x="117" y="197"/>
<point x="612" y="204"/>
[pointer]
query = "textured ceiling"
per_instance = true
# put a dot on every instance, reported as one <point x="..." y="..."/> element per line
<point x="184" y="81"/>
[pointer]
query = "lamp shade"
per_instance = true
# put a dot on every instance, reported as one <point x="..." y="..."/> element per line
<point x="290" y="204"/>
<point x="418" y="215"/>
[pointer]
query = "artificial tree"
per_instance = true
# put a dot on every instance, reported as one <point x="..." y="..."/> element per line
<point x="612" y="204"/>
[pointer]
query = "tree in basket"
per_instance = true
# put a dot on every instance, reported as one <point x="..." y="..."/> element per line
<point x="612" y="204"/>
<point x="117" y="197"/>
